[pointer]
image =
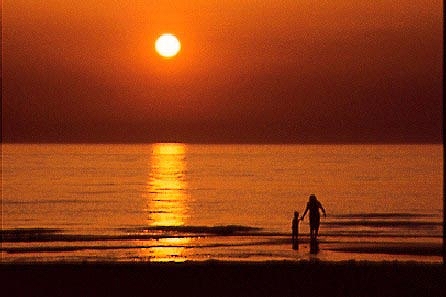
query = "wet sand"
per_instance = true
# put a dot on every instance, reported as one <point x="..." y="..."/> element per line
<point x="214" y="278"/>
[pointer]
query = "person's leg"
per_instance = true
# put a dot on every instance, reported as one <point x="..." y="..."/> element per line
<point x="313" y="241"/>
<point x="294" y="242"/>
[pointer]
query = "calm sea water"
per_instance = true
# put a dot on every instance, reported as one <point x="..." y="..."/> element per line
<point x="178" y="202"/>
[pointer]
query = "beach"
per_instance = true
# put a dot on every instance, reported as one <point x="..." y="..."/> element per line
<point x="217" y="278"/>
<point x="212" y="220"/>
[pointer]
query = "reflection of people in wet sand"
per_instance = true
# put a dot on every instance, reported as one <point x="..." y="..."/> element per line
<point x="313" y="206"/>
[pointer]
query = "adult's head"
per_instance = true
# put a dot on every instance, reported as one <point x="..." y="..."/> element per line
<point x="313" y="197"/>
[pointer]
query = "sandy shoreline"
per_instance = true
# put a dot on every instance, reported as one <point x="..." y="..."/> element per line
<point x="215" y="278"/>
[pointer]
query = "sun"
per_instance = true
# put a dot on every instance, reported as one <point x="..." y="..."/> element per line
<point x="167" y="45"/>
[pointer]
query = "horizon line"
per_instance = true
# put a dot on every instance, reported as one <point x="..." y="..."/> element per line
<point x="233" y="143"/>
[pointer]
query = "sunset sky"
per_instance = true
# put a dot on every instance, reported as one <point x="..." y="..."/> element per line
<point x="248" y="71"/>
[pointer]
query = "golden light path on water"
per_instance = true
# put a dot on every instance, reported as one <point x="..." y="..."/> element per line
<point x="167" y="198"/>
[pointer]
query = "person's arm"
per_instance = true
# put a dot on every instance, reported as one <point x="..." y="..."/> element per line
<point x="323" y="209"/>
<point x="305" y="212"/>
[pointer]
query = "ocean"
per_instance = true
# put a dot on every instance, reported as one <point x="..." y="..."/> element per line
<point x="191" y="202"/>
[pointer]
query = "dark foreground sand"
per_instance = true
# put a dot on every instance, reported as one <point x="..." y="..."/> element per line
<point x="224" y="279"/>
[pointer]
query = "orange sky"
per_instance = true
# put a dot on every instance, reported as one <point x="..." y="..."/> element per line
<point x="249" y="71"/>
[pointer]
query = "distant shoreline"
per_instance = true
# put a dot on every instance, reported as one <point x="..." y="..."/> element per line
<point x="219" y="278"/>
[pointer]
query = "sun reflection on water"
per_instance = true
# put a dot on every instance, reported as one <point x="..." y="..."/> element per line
<point x="167" y="198"/>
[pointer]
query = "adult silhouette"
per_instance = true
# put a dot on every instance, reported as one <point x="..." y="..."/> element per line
<point x="313" y="205"/>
